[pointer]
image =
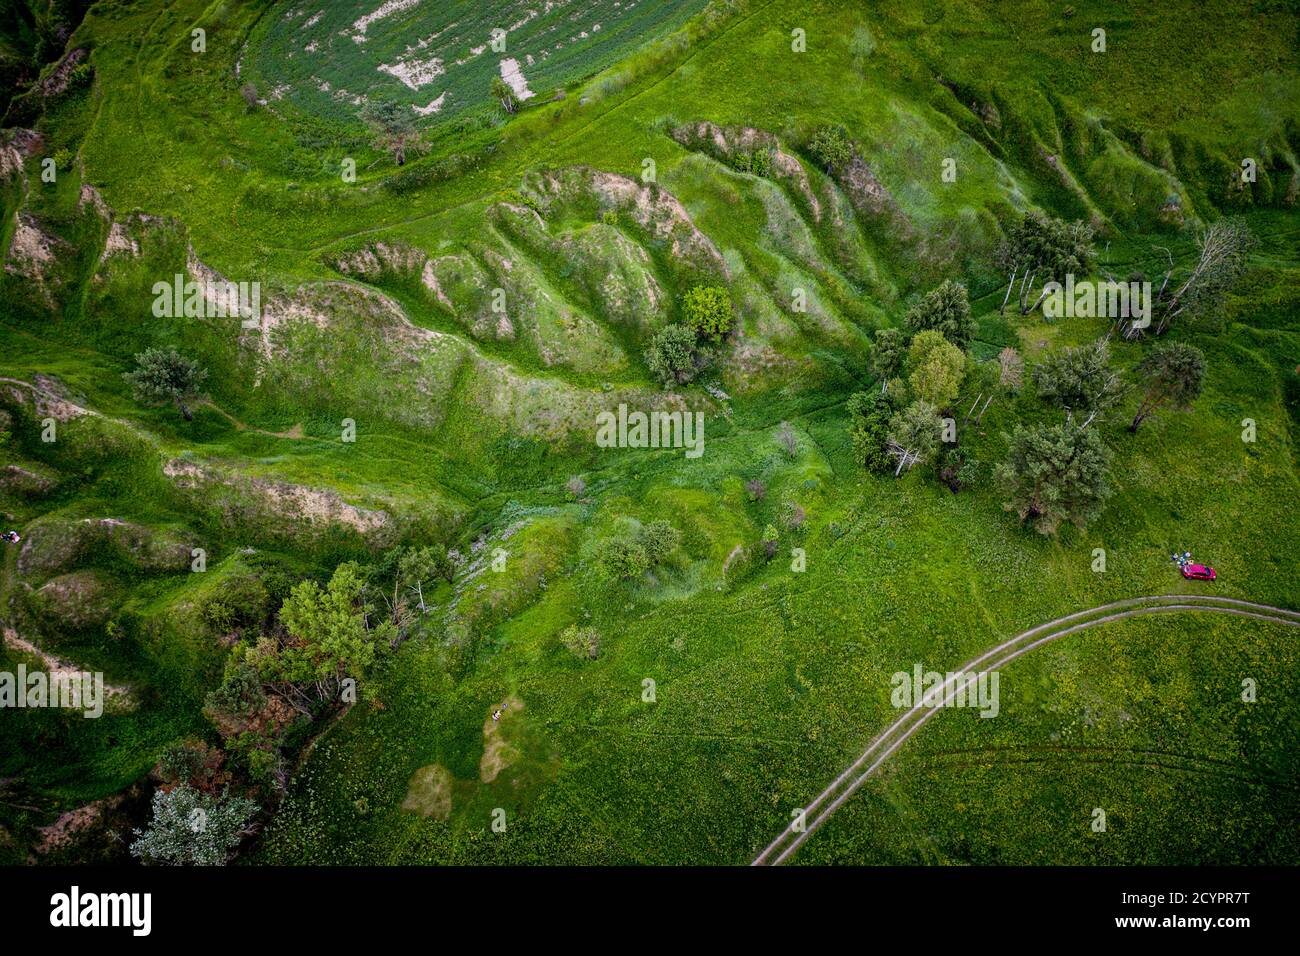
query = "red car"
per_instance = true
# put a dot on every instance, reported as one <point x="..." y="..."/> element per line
<point x="1199" y="572"/>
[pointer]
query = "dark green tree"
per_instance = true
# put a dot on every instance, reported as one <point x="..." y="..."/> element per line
<point x="1172" y="374"/>
<point x="887" y="357"/>
<point x="164" y="375"/>
<point x="1080" y="380"/>
<point x="392" y="125"/>
<point x="869" y="415"/>
<point x="1055" y="473"/>
<point x="946" y="310"/>
<point x="674" y="356"/>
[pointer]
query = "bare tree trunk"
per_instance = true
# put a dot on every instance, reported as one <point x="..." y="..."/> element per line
<point x="1010" y="285"/>
<point x="1027" y="310"/>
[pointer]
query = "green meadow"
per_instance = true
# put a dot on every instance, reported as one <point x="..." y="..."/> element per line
<point x="731" y="684"/>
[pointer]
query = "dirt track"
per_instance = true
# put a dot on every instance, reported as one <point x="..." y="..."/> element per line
<point x="880" y="749"/>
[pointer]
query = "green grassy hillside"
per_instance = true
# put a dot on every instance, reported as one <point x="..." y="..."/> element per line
<point x="471" y="312"/>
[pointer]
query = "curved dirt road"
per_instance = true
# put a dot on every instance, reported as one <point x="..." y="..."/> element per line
<point x="880" y="749"/>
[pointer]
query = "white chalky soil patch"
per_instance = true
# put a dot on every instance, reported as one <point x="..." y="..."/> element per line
<point x="435" y="106"/>
<point x="415" y="73"/>
<point x="513" y="75"/>
<point x="390" y="7"/>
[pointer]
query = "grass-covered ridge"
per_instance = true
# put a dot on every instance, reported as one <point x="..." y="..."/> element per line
<point x="475" y="412"/>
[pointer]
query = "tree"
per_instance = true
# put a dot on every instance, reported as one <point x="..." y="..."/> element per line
<point x="1040" y="248"/>
<point x="1055" y="473"/>
<point x="707" y="310"/>
<point x="192" y="827"/>
<point x="504" y="94"/>
<point x="1173" y="374"/>
<point x="415" y="568"/>
<point x="1080" y="380"/>
<point x="945" y="310"/>
<point x="936" y="368"/>
<point x="869" y="415"/>
<point x="674" y="356"/>
<point x="771" y="541"/>
<point x="831" y="148"/>
<point x="330" y="637"/>
<point x="164" y="375"/>
<point x="914" y="434"/>
<point x="887" y="359"/>
<point x="1225" y="252"/>
<point x="392" y="125"/>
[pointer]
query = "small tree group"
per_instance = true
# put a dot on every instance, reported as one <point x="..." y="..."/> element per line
<point x="887" y="431"/>
<point x="636" y="550"/>
<point x="678" y="353"/>
<point x="1040" y="249"/>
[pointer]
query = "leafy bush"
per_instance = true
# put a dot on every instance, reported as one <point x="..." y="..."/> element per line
<point x="622" y="558"/>
<point x="582" y="641"/>
<point x="757" y="162"/>
<point x="659" y="539"/>
<point x="674" y="356"/>
<point x="240" y="695"/>
<point x="708" y="313"/>
<point x="831" y="148"/>
<point x="192" y="827"/>
<point x="241" y="602"/>
<point x="632" y="553"/>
